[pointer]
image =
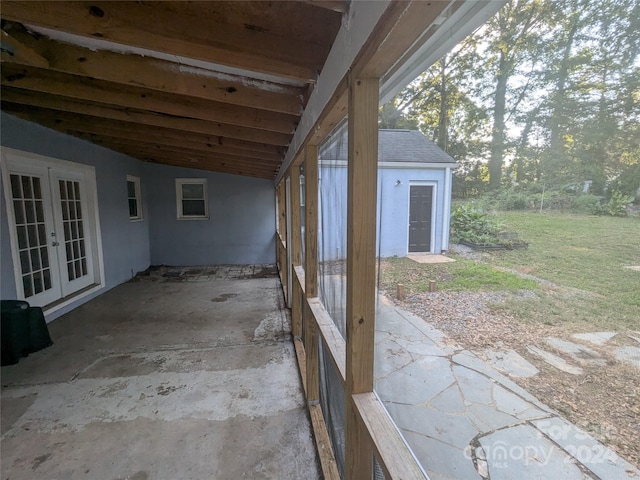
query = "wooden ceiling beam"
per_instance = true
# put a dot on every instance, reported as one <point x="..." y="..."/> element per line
<point x="340" y="6"/>
<point x="169" y="143"/>
<point x="149" y="25"/>
<point x="192" y="161"/>
<point x="13" y="49"/>
<point x="193" y="157"/>
<point x="245" y="172"/>
<point x="97" y="125"/>
<point x="162" y="76"/>
<point x="26" y="79"/>
<point x="199" y="130"/>
<point x="130" y="106"/>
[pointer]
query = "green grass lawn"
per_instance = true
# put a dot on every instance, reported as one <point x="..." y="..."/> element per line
<point x="461" y="275"/>
<point x="583" y="252"/>
<point x="582" y="255"/>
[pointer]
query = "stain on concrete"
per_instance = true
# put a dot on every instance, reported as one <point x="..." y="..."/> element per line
<point x="224" y="297"/>
<point x="162" y="390"/>
<point x="40" y="460"/>
<point x="270" y="328"/>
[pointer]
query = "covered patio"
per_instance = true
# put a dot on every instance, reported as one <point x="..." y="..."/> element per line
<point x="168" y="376"/>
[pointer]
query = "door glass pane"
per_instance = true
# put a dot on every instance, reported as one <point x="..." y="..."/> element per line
<point x="22" y="237"/>
<point x="18" y="206"/>
<point x="73" y="231"/>
<point x="46" y="273"/>
<point x="16" y="188"/>
<point x="27" y="286"/>
<point x="28" y="207"/>
<point x="26" y="186"/>
<point x="35" y="259"/>
<point x="42" y="234"/>
<point x="39" y="212"/>
<point x="25" y="264"/>
<point x="37" y="282"/>
<point x="37" y="192"/>
<point x="30" y="211"/>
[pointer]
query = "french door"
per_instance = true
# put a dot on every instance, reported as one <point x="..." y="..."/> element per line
<point x="53" y="245"/>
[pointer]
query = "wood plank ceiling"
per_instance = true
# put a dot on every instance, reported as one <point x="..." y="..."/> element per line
<point x="215" y="85"/>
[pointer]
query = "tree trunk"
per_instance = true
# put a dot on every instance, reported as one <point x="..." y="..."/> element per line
<point x="443" y="117"/>
<point x="557" y="122"/>
<point x="497" y="140"/>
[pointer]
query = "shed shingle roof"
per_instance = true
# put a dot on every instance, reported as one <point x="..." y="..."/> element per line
<point x="409" y="146"/>
<point x="395" y="146"/>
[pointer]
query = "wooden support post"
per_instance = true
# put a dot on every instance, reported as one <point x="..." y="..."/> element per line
<point x="432" y="285"/>
<point x="278" y="187"/>
<point x="296" y="252"/>
<point x="362" y="185"/>
<point x="400" y="292"/>
<point x="311" y="270"/>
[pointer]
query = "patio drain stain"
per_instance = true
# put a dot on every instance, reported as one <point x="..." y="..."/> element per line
<point x="224" y="297"/>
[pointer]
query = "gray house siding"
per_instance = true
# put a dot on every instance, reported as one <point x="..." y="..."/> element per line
<point x="240" y="228"/>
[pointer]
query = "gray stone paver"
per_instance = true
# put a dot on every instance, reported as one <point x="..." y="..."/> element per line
<point x="511" y="363"/>
<point x="475" y="387"/>
<point x="522" y="453"/>
<point x="441" y="459"/>
<point x="447" y="402"/>
<point x="414" y="382"/>
<point x="597" y="338"/>
<point x="579" y="353"/>
<point x="555" y="361"/>
<point x="589" y="452"/>
<point x="630" y="355"/>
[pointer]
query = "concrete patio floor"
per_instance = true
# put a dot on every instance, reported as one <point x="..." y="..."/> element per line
<point x="191" y="375"/>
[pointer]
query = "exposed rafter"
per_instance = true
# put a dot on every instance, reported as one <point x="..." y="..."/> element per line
<point x="222" y="80"/>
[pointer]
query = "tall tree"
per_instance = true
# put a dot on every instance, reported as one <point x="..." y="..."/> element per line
<point x="514" y="35"/>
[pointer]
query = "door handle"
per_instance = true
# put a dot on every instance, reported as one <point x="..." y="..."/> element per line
<point x="55" y="244"/>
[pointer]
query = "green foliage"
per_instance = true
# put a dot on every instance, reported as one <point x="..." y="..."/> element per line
<point x="618" y="204"/>
<point x="628" y="182"/>
<point x="510" y="199"/>
<point x="589" y="204"/>
<point x="472" y="225"/>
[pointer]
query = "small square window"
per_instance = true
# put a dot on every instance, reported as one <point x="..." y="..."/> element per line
<point x="135" y="199"/>
<point x="191" y="197"/>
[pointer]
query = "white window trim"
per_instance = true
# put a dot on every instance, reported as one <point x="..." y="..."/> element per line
<point x="138" y="197"/>
<point x="195" y="181"/>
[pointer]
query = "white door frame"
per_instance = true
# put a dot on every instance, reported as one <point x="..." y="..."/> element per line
<point x="13" y="160"/>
